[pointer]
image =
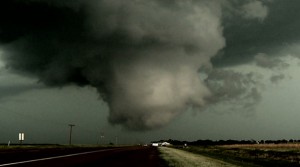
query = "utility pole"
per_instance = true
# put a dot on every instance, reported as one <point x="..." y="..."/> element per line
<point x="101" y="138"/>
<point x="70" y="139"/>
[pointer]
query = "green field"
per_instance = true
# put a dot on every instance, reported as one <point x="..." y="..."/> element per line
<point x="253" y="154"/>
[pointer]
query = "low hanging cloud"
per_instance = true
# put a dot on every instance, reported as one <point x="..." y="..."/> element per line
<point x="142" y="56"/>
<point x="273" y="63"/>
<point x="265" y="61"/>
<point x="255" y="10"/>
<point x="12" y="84"/>
<point x="277" y="78"/>
<point x="237" y="89"/>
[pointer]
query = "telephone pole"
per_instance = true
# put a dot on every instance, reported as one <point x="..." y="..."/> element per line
<point x="101" y="138"/>
<point x="70" y="139"/>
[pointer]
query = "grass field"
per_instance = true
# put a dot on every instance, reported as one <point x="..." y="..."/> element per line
<point x="253" y="154"/>
<point x="180" y="158"/>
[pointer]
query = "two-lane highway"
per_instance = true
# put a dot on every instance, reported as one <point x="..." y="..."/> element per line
<point x="124" y="156"/>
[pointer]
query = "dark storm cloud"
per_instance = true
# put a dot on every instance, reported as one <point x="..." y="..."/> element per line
<point x="142" y="56"/>
<point x="245" y="38"/>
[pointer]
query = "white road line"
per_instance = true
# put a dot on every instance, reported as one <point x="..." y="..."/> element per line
<point x="56" y="157"/>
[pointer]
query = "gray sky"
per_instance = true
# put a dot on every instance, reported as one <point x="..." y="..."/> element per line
<point x="138" y="71"/>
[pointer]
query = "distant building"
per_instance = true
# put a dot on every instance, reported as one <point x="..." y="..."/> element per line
<point x="158" y="144"/>
<point x="165" y="144"/>
<point x="155" y="144"/>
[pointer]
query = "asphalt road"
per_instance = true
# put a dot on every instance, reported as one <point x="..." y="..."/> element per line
<point x="114" y="157"/>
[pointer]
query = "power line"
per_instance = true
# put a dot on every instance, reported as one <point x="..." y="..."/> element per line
<point x="32" y="119"/>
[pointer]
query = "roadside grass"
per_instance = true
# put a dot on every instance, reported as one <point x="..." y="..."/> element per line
<point x="180" y="158"/>
<point x="26" y="147"/>
<point x="170" y="158"/>
<point x="274" y="147"/>
<point x="253" y="155"/>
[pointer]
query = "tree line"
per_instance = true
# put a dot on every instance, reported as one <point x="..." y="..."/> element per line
<point x="226" y="142"/>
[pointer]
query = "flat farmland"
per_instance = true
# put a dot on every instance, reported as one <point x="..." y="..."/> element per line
<point x="253" y="154"/>
<point x="246" y="155"/>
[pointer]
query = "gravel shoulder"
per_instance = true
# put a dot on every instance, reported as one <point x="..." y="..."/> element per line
<point x="180" y="158"/>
